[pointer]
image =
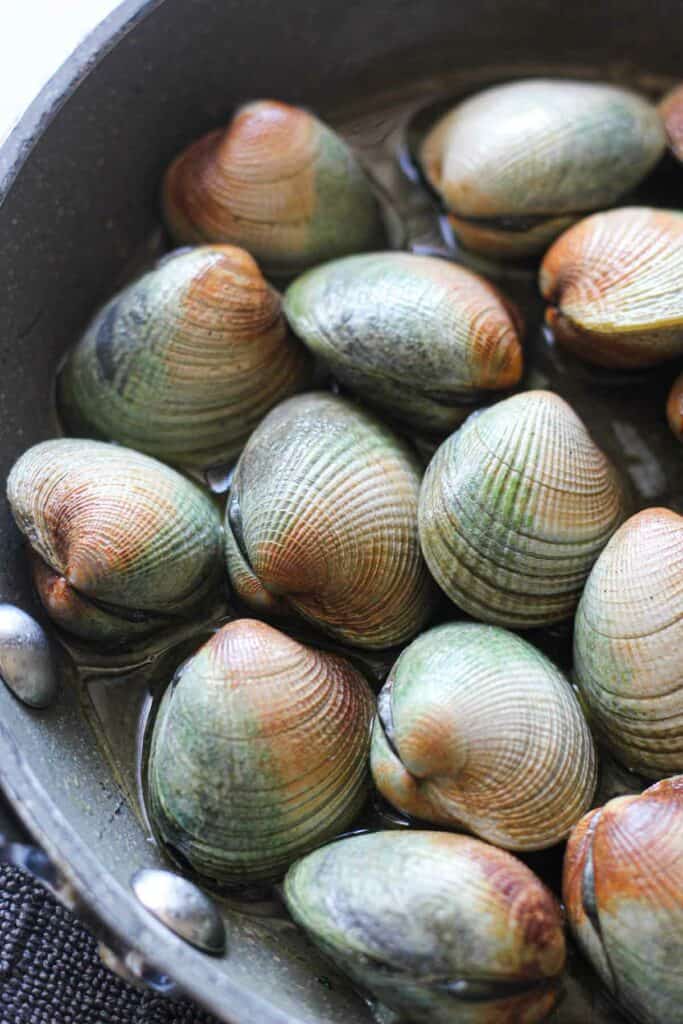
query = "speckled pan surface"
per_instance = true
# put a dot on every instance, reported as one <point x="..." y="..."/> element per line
<point x="78" y="201"/>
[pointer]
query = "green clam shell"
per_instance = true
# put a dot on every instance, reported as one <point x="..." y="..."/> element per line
<point x="185" y="361"/>
<point x="538" y="150"/>
<point x="258" y="754"/>
<point x="438" y="927"/>
<point x="418" y="337"/>
<point x="514" y="509"/>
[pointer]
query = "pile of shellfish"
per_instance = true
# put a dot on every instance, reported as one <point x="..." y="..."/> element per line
<point x="399" y="486"/>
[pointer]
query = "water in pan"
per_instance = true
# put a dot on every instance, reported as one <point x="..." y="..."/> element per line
<point x="625" y="413"/>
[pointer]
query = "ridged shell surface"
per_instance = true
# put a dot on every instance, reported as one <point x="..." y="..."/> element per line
<point x="615" y="284"/>
<point x="278" y="182"/>
<point x="623" y="890"/>
<point x="516" y="160"/>
<point x="674" y="407"/>
<point x="514" y="509"/>
<point x="442" y="928"/>
<point x="413" y="335"/>
<point x="476" y="729"/>
<point x="628" y="643"/>
<point x="671" y="109"/>
<point x="258" y="754"/>
<point x="123" y="544"/>
<point x="185" y="361"/>
<point x="322" y="520"/>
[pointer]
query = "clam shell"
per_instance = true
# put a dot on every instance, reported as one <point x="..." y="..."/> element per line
<point x="442" y="928"/>
<point x="278" y="182"/>
<point x="671" y="109"/>
<point x="185" y="361"/>
<point x="615" y="284"/>
<point x="517" y="159"/>
<point x="623" y="890"/>
<point x="674" y="407"/>
<point x="514" y="509"/>
<point x="476" y="729"/>
<point x="258" y="754"/>
<point x="628" y="640"/>
<point x="123" y="545"/>
<point x="413" y="335"/>
<point x="322" y="520"/>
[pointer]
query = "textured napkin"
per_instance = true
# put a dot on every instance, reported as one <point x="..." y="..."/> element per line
<point x="50" y="972"/>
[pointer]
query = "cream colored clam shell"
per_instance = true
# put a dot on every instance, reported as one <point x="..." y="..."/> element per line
<point x="542" y="146"/>
<point x="477" y="729"/>
<point x="514" y="509"/>
<point x="628" y="643"/>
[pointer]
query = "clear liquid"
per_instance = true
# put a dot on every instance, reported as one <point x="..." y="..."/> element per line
<point x="624" y="412"/>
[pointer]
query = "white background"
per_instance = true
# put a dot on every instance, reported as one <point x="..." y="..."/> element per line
<point x="36" y="37"/>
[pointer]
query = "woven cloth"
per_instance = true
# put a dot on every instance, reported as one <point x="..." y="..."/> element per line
<point x="50" y="972"/>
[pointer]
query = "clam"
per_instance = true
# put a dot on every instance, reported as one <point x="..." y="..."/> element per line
<point x="184" y="362"/>
<point x="623" y="890"/>
<point x="413" y="335"/>
<point x="258" y="754"/>
<point x="674" y="407"/>
<point x="628" y="640"/>
<point x="278" y="182"/>
<point x="613" y="282"/>
<point x="442" y="928"/>
<point x="322" y="521"/>
<point x="514" y="509"/>
<point x="671" y="109"/>
<point x="517" y="163"/>
<point x="122" y="545"/>
<point x="476" y="729"/>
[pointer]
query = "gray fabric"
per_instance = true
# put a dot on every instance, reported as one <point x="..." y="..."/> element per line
<point x="50" y="972"/>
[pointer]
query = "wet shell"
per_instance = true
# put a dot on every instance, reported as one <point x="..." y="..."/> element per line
<point x="413" y="335"/>
<point x="615" y="284"/>
<point x="322" y="520"/>
<point x="674" y="408"/>
<point x="476" y="729"/>
<point x="122" y="544"/>
<point x="623" y="890"/>
<point x="442" y="928"/>
<point x="278" y="182"/>
<point x="259" y="753"/>
<point x="671" y="109"/>
<point x="628" y="643"/>
<point x="185" y="361"/>
<point x="514" y="509"/>
<point x="517" y="163"/>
